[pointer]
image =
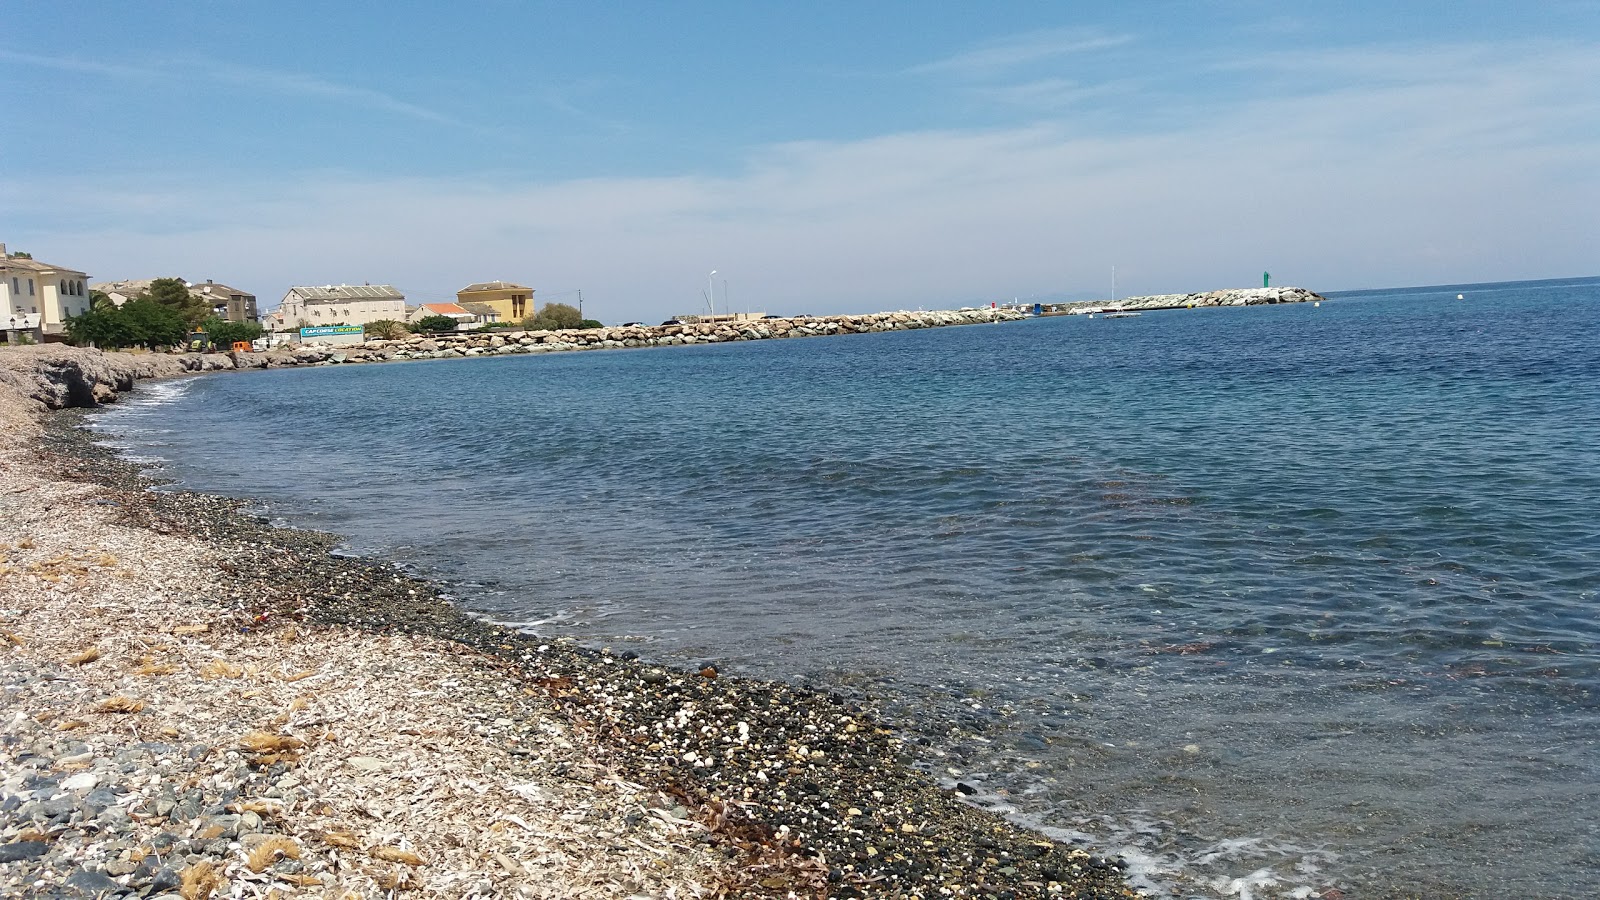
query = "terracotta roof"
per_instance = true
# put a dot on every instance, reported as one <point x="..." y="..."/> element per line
<point x="494" y="286"/>
<point x="445" y="309"/>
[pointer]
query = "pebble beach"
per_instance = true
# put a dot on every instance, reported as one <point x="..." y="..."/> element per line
<point x="198" y="704"/>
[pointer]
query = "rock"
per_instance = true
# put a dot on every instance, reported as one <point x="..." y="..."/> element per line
<point x="164" y="881"/>
<point x="99" y="799"/>
<point x="20" y="850"/>
<point x="86" y="881"/>
<point x="82" y="781"/>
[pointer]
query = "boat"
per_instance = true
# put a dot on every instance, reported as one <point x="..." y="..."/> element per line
<point x="1120" y="314"/>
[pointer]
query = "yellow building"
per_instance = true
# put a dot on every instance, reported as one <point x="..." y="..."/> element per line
<point x="513" y="302"/>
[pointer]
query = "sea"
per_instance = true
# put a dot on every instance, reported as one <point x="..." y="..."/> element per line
<point x="1282" y="601"/>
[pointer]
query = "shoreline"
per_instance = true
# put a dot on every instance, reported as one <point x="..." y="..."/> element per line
<point x="616" y="775"/>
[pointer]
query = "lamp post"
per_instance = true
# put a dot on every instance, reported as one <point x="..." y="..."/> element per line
<point x="711" y="294"/>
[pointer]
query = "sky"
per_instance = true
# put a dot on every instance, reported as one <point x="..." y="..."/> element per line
<point x="826" y="157"/>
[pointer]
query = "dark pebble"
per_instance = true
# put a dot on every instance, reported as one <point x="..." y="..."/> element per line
<point x="164" y="880"/>
<point x="93" y="883"/>
<point x="22" y="850"/>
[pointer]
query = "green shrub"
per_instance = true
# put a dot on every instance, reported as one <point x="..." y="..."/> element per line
<point x="385" y="330"/>
<point x="225" y="334"/>
<point x="431" y="324"/>
<point x="555" y="316"/>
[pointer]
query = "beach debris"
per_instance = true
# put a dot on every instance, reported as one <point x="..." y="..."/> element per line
<point x="144" y="665"/>
<point x="342" y="839"/>
<point x="270" y="851"/>
<point x="120" y="704"/>
<point x="396" y="854"/>
<point x="199" y="881"/>
<point x="221" y="668"/>
<point x="85" y="657"/>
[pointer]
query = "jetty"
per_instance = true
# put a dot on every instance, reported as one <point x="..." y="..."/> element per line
<point x="1230" y="297"/>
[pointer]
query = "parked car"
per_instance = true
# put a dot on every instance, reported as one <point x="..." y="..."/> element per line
<point x="672" y="322"/>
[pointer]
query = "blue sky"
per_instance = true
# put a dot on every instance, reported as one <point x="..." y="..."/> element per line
<point x="824" y="157"/>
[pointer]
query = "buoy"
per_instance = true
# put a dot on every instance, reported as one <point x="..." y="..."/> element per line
<point x="1317" y="303"/>
<point x="1461" y="297"/>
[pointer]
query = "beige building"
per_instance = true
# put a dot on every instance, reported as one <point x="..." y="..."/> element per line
<point x="341" y="304"/>
<point x="511" y="301"/>
<point x="37" y="297"/>
<point x="462" y="315"/>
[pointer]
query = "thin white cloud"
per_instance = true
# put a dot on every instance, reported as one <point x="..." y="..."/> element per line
<point x="1053" y="94"/>
<point x="73" y="64"/>
<point x="300" y="84"/>
<point x="1012" y="51"/>
<point x="260" y="80"/>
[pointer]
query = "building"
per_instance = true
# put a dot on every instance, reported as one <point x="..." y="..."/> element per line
<point x="482" y="313"/>
<point x="511" y="301"/>
<point x="464" y="317"/>
<point x="37" y="297"/>
<point x="342" y="304"/>
<point x="230" y="304"/>
<point x="120" y="292"/>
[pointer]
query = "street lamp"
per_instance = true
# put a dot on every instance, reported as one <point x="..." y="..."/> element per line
<point x="711" y="294"/>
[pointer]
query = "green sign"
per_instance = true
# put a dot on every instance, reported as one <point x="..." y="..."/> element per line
<point x="325" y="330"/>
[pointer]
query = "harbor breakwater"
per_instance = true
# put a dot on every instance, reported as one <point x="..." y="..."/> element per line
<point x="1228" y="297"/>
<point x="501" y="342"/>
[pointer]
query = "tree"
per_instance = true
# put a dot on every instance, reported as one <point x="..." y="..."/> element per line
<point x="153" y="324"/>
<point x="139" y="321"/>
<point x="174" y="293"/>
<point x="556" y="316"/>
<point x="384" y="330"/>
<point x="225" y="334"/>
<point x="105" y="328"/>
<point x="100" y="300"/>
<point x="433" y="323"/>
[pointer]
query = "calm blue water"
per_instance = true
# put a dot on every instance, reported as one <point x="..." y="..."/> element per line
<point x="1269" y="600"/>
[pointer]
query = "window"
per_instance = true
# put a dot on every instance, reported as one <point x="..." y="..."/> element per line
<point x="62" y="287"/>
<point x="30" y="287"/>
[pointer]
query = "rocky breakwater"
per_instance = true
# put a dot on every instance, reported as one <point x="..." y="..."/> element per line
<point x="483" y="343"/>
<point x="1229" y="297"/>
